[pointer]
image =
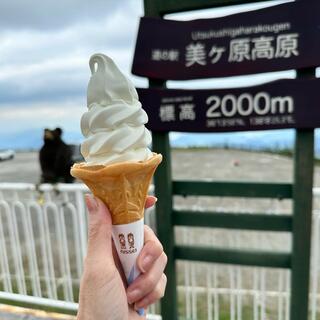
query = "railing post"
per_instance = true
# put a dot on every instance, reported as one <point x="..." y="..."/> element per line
<point x="163" y="189"/>
<point x="165" y="228"/>
<point x="302" y="217"/>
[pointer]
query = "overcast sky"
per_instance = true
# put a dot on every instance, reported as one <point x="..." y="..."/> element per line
<point x="44" y="52"/>
<point x="45" y="46"/>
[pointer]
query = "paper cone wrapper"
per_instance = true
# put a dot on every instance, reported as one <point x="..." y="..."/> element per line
<point x="128" y="240"/>
<point x="123" y="186"/>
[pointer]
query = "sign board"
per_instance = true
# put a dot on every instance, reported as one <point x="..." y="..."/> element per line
<point x="281" y="37"/>
<point x="276" y="105"/>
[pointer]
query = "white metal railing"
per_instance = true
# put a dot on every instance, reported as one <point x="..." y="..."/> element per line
<point x="43" y="242"/>
<point x="43" y="236"/>
<point x="216" y="291"/>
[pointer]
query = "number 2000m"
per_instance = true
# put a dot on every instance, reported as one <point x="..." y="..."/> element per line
<point x="246" y="104"/>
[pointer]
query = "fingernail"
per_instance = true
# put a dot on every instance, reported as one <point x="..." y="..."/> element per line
<point x="143" y="303"/>
<point x="140" y="312"/>
<point x="146" y="262"/>
<point x="133" y="295"/>
<point x="91" y="203"/>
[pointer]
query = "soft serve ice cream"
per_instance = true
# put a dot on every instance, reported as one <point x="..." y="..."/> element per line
<point x="114" y="124"/>
<point x="118" y="165"/>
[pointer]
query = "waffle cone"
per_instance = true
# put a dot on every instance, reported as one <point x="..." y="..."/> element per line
<point x="123" y="187"/>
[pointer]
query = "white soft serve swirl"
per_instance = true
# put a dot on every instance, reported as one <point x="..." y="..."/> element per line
<point x="114" y="124"/>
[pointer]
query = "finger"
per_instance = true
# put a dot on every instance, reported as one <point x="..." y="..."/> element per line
<point x="118" y="265"/>
<point x="147" y="282"/>
<point x="154" y="295"/>
<point x="150" y="252"/>
<point x="150" y="201"/>
<point x="99" y="232"/>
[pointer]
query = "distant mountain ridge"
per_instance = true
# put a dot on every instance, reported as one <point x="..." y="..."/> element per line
<point x="280" y="139"/>
<point x="255" y="140"/>
<point x="32" y="139"/>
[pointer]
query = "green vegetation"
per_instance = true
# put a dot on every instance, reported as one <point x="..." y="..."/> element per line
<point x="224" y="308"/>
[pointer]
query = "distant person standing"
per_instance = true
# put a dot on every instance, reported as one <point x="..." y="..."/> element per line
<point x="55" y="158"/>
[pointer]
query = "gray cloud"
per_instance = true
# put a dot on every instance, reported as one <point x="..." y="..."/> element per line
<point x="52" y="14"/>
<point x="25" y="116"/>
<point x="52" y="65"/>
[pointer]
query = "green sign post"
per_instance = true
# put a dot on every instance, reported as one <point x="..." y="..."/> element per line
<point x="300" y="191"/>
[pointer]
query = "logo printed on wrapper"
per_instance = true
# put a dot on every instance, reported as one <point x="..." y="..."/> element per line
<point x="123" y="247"/>
<point x="122" y="241"/>
<point x="131" y="240"/>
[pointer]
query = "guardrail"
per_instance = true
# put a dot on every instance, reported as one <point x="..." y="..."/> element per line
<point x="43" y="235"/>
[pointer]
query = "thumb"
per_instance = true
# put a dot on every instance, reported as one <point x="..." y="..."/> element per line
<point x="99" y="233"/>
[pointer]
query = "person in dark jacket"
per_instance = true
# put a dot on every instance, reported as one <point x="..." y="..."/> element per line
<point x="55" y="158"/>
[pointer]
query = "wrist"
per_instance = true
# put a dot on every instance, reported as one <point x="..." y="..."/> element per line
<point x="84" y="316"/>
